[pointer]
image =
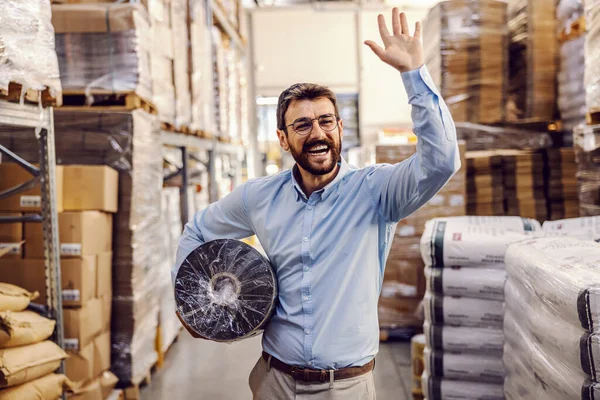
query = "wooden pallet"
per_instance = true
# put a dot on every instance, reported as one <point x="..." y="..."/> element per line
<point x="533" y="124"/>
<point x="13" y="94"/>
<point x="106" y="100"/>
<point x="132" y="392"/>
<point x="165" y="126"/>
<point x="593" y="117"/>
<point x="116" y="394"/>
<point x="204" y="135"/>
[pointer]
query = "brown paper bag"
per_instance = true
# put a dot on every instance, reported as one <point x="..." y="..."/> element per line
<point x="26" y="363"/>
<point x="14" y="298"/>
<point x="23" y="328"/>
<point x="48" y="387"/>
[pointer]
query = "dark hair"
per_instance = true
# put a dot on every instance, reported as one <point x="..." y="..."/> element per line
<point x="302" y="91"/>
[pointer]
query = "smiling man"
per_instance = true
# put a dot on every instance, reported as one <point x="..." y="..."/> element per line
<point x="327" y="229"/>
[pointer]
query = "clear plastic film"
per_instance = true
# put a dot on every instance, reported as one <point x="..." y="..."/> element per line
<point x="592" y="55"/>
<point x="104" y="46"/>
<point x="461" y="340"/>
<point x="584" y="228"/>
<point x="464" y="367"/>
<point x="478" y="283"/>
<point x="465" y="50"/>
<point x="485" y="137"/>
<point x="183" y="98"/>
<point x="586" y="141"/>
<point x="473" y="241"/>
<point x="442" y="389"/>
<point x="562" y="274"/>
<point x="27" y="54"/>
<point x="225" y="290"/>
<point x="570" y="78"/>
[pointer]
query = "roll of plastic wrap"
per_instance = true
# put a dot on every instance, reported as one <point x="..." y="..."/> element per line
<point x="226" y="290"/>
<point x="462" y="311"/>
<point x="477" y="283"/>
<point x="470" y="241"/>
<point x="446" y="389"/>
<point x="464" y="340"/>
<point x="464" y="367"/>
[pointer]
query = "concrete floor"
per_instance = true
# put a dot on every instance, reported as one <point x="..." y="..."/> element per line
<point x="203" y="370"/>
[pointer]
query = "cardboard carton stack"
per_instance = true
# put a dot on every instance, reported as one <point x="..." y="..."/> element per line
<point x="88" y="197"/>
<point x="552" y="319"/>
<point x="466" y="52"/>
<point x="533" y="56"/>
<point x="586" y="142"/>
<point x="464" y="259"/>
<point x="403" y="285"/>
<point x="485" y="190"/>
<point x="561" y="192"/>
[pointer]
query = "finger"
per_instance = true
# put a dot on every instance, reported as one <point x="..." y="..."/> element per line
<point x="383" y="31"/>
<point x="404" y="24"/>
<point x="417" y="34"/>
<point x="396" y="21"/>
<point x="376" y="49"/>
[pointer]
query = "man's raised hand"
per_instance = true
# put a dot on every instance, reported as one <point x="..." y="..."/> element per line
<point x="402" y="51"/>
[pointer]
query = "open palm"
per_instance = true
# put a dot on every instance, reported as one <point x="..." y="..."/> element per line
<point x="402" y="51"/>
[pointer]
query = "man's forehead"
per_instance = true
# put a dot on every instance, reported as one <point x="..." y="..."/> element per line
<point x="309" y="108"/>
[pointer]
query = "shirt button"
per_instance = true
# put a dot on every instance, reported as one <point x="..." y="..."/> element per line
<point x="307" y="331"/>
<point x="310" y="207"/>
<point x="305" y="239"/>
<point x="305" y="297"/>
<point x="305" y="269"/>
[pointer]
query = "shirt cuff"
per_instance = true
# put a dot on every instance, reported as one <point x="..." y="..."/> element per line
<point x="415" y="81"/>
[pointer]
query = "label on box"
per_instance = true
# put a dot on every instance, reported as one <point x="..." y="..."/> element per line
<point x="70" y="249"/>
<point x="437" y="200"/>
<point x="457" y="200"/>
<point x="407" y="230"/>
<point x="15" y="248"/>
<point x="71" y="295"/>
<point x="71" y="344"/>
<point x="31" y="201"/>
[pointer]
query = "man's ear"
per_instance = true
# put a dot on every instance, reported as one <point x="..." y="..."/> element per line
<point x="341" y="128"/>
<point x="283" y="140"/>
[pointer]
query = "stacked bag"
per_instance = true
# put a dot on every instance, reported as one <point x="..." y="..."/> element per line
<point x="552" y="319"/>
<point x="27" y="358"/>
<point x="464" y="259"/>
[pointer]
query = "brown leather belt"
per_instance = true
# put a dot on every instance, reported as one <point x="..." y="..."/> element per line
<point x="317" y="375"/>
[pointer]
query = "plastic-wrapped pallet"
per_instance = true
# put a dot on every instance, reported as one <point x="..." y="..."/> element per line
<point x="466" y="52"/>
<point x="586" y="141"/>
<point x="585" y="228"/>
<point x="104" y="46"/>
<point x="464" y="309"/>
<point x="592" y="55"/>
<point x="27" y="46"/>
<point x="181" y="64"/>
<point x="485" y="137"/>
<point x="552" y="350"/>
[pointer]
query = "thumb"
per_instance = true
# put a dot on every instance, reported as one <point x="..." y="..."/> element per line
<point x="376" y="49"/>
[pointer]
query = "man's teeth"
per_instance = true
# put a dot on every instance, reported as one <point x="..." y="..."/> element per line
<point x="318" y="149"/>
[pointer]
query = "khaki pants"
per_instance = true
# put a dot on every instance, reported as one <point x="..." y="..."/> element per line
<point x="275" y="385"/>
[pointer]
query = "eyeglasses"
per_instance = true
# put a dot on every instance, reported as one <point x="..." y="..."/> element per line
<point x="304" y="126"/>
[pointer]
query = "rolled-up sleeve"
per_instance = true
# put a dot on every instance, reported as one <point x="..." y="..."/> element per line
<point x="400" y="189"/>
<point x="226" y="219"/>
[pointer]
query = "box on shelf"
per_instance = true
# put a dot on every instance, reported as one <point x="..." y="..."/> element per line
<point x="86" y="278"/>
<point x="90" y="187"/>
<point x="83" y="233"/>
<point x="11" y="175"/>
<point x="91" y="361"/>
<point x="83" y="324"/>
<point x="10" y="235"/>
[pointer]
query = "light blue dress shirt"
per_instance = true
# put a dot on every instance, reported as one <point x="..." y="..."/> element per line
<point x="329" y="250"/>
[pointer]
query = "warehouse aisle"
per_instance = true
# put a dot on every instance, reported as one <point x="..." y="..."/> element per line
<point x="198" y="369"/>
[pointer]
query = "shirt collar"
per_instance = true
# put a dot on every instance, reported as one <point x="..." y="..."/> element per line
<point x="328" y="189"/>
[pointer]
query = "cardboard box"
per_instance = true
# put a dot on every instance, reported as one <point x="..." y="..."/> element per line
<point x="10" y="235"/>
<point x="104" y="276"/>
<point x="106" y="313"/>
<point x="91" y="361"/>
<point x="90" y="187"/>
<point x="85" y="233"/>
<point x="11" y="175"/>
<point x="99" y="389"/>
<point x="82" y="325"/>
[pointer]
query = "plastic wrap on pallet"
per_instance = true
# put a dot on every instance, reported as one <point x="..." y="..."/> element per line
<point x="221" y="87"/>
<point x="441" y="389"/>
<point x="103" y="47"/>
<point x="562" y="274"/>
<point x="27" y="54"/>
<point x="592" y="55"/>
<point x="464" y="367"/>
<point x="586" y="141"/>
<point x="485" y="137"/>
<point x="465" y="50"/>
<point x="533" y="60"/>
<point x="476" y="283"/>
<point x="226" y="290"/>
<point x="571" y="103"/>
<point x="472" y="241"/>
<point x="462" y="311"/>
<point x="181" y="63"/>
<point x="585" y="228"/>
<point x="461" y="340"/>
<point x="568" y="11"/>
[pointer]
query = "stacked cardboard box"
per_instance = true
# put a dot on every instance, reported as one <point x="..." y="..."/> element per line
<point x="592" y="55"/>
<point x="561" y="185"/>
<point x="485" y="190"/>
<point x="485" y="137"/>
<point x="533" y="55"/>
<point x="466" y="53"/>
<point x="181" y="63"/>
<point x="88" y="197"/>
<point x="403" y="285"/>
<point x="464" y="259"/>
<point x="552" y="319"/>
<point x="586" y="141"/>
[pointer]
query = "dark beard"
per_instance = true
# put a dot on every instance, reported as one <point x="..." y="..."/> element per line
<point x="302" y="157"/>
